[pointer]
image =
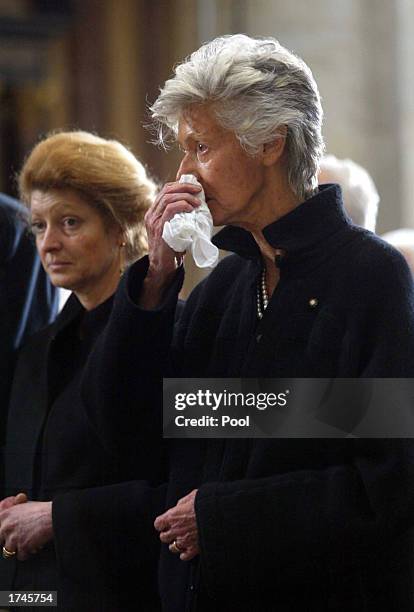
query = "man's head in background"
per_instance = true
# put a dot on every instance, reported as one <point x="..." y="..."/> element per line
<point x="359" y="192"/>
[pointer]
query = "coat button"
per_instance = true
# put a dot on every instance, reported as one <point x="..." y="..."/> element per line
<point x="258" y="337"/>
<point x="313" y="302"/>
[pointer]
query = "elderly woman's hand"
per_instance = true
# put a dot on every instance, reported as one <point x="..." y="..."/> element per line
<point x="173" y="198"/>
<point x="12" y="500"/>
<point x="26" y="527"/>
<point x="178" y="528"/>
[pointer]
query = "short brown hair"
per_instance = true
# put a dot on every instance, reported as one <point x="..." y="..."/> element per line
<point x="104" y="171"/>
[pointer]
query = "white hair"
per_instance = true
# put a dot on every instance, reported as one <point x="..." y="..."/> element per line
<point x="257" y="89"/>
<point x="360" y="195"/>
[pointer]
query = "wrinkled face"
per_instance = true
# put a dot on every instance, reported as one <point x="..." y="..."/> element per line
<point x="77" y="250"/>
<point x="232" y="179"/>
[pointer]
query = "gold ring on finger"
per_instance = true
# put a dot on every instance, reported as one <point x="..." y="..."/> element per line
<point x="8" y="554"/>
<point x="174" y="548"/>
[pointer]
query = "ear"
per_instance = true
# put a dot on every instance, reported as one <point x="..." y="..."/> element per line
<point x="273" y="150"/>
<point x="116" y="234"/>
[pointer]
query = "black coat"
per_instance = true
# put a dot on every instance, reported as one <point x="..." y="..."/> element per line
<point x="52" y="453"/>
<point x="286" y="525"/>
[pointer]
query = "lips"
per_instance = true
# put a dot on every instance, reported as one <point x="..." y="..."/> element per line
<point x="54" y="265"/>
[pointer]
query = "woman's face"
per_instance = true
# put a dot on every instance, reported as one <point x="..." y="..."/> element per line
<point x="78" y="251"/>
<point x="233" y="181"/>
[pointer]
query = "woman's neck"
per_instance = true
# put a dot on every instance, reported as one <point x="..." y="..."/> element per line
<point x="92" y="297"/>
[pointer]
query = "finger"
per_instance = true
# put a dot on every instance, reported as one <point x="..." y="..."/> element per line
<point x="188" y="538"/>
<point x="179" y="533"/>
<point x="188" y="554"/>
<point x="179" y="190"/>
<point x="182" y="195"/>
<point x="10" y="546"/>
<point x="167" y="537"/>
<point x="7" y="502"/>
<point x="174" y="197"/>
<point x="169" y="190"/>
<point x="13" y="500"/>
<point x="176" y="547"/>
<point x="161" y="523"/>
<point x="156" y="222"/>
<point x="174" y="209"/>
<point x="180" y="199"/>
<point x="21" y="498"/>
<point x="176" y="186"/>
<point x="190" y="185"/>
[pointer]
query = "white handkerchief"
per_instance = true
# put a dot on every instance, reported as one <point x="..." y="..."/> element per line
<point x="193" y="230"/>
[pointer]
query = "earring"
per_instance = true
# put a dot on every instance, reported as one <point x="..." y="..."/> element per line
<point x="122" y="265"/>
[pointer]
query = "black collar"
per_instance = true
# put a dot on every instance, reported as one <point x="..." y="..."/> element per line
<point x="301" y="230"/>
<point x="71" y="310"/>
<point x="90" y="320"/>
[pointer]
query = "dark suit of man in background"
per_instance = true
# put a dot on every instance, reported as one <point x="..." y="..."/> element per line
<point x="27" y="299"/>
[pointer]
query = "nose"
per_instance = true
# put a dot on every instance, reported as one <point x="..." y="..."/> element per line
<point x="188" y="165"/>
<point x="49" y="241"/>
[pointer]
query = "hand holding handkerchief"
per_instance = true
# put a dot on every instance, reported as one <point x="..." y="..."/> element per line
<point x="193" y="231"/>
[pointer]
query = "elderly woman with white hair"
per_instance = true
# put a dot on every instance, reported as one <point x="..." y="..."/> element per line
<point x="265" y="524"/>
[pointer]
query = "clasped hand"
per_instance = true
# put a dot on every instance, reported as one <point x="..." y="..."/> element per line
<point x="179" y="525"/>
<point x="25" y="527"/>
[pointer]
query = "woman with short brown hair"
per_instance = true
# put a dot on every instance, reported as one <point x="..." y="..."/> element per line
<point x="87" y="197"/>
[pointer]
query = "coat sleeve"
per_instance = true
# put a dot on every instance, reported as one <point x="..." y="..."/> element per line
<point x="122" y="384"/>
<point x="113" y="526"/>
<point x="388" y="327"/>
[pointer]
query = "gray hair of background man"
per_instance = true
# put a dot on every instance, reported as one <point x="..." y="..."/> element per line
<point x="260" y="91"/>
<point x="360" y="195"/>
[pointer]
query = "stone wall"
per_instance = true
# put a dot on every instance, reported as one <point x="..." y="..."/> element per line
<point x="361" y="54"/>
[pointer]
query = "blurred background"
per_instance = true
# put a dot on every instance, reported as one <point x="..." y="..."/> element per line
<point x="96" y="64"/>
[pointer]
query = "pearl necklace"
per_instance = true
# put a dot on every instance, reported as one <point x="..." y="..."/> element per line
<point x="262" y="297"/>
